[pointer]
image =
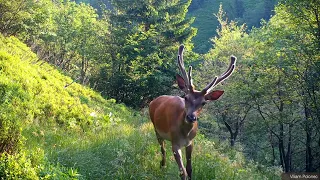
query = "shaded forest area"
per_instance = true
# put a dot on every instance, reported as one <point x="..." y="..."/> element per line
<point x="271" y="107"/>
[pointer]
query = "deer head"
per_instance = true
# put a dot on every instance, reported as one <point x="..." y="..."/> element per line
<point x="195" y="100"/>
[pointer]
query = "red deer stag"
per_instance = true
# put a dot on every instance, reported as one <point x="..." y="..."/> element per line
<point x="175" y="118"/>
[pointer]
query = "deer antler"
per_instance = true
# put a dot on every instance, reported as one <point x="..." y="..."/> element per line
<point x="222" y="77"/>
<point x="186" y="77"/>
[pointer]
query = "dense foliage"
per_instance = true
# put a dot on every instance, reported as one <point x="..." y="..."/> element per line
<point x="249" y="12"/>
<point x="271" y="105"/>
<point x="142" y="48"/>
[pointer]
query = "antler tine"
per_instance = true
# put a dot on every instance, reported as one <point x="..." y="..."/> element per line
<point x="232" y="62"/>
<point x="223" y="77"/>
<point x="226" y="74"/>
<point x="190" y="78"/>
<point x="205" y="90"/>
<point x="181" y="66"/>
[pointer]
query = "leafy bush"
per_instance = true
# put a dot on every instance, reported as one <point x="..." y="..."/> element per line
<point x="34" y="166"/>
<point x="16" y="166"/>
<point x="13" y="111"/>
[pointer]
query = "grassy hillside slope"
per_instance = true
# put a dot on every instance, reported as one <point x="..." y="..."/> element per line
<point x="52" y="129"/>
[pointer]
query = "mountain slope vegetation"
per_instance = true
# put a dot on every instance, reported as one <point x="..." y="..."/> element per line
<point x="53" y="128"/>
<point x="249" y="12"/>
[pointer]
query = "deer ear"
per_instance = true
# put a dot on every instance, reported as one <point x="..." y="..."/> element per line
<point x="214" y="95"/>
<point x="181" y="83"/>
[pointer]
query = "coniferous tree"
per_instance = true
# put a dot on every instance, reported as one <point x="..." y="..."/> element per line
<point x="144" y="40"/>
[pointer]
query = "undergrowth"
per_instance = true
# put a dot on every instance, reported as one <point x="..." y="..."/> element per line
<point x="53" y="131"/>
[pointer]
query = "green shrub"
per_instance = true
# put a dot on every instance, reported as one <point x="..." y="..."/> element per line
<point x="13" y="111"/>
<point x="16" y="166"/>
<point x="33" y="167"/>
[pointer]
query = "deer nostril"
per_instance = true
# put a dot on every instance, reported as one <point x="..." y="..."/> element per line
<point x="191" y="118"/>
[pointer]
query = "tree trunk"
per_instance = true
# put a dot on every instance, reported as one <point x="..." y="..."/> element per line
<point x="272" y="147"/>
<point x="232" y="139"/>
<point x="281" y="148"/>
<point x="308" y="140"/>
<point x="288" y="155"/>
<point x="233" y="135"/>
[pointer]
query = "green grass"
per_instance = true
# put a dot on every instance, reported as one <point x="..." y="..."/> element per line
<point x="130" y="151"/>
<point x="73" y="133"/>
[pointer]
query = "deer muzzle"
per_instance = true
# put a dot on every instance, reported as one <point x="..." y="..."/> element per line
<point x="191" y="118"/>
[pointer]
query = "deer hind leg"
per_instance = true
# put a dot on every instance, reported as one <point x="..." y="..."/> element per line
<point x="163" y="150"/>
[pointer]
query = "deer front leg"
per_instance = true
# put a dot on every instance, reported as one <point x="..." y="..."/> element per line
<point x="177" y="155"/>
<point x="188" y="156"/>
